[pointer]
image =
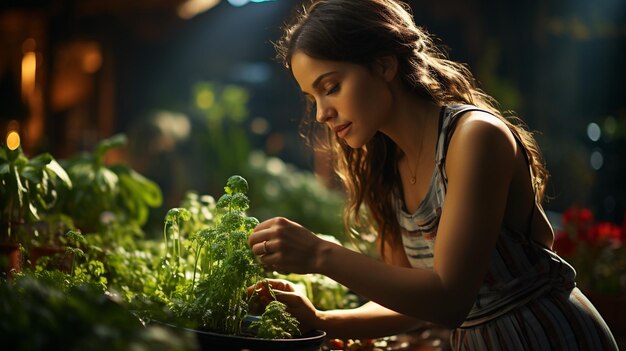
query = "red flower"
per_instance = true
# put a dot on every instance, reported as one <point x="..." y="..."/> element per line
<point x="579" y="221"/>
<point x="563" y="244"/>
<point x="606" y="232"/>
<point x="580" y="217"/>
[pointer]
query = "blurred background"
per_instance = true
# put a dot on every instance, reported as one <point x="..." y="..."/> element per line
<point x="188" y="93"/>
<point x="195" y="87"/>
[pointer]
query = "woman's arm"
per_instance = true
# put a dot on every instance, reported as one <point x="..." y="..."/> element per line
<point x="366" y="322"/>
<point x="479" y="167"/>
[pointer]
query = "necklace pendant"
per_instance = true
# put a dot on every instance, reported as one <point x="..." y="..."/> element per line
<point x="413" y="180"/>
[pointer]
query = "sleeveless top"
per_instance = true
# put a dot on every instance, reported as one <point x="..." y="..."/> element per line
<point x="520" y="269"/>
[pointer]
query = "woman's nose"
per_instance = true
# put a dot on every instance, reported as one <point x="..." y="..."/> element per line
<point x="324" y="113"/>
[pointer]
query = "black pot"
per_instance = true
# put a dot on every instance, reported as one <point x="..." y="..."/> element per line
<point x="211" y="341"/>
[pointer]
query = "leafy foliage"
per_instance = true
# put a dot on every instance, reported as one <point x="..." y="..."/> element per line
<point x="217" y="260"/>
<point x="28" y="186"/>
<point x="276" y="323"/>
<point x="42" y="312"/>
<point x="100" y="189"/>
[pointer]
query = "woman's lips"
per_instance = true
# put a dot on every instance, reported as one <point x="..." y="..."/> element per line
<point x="343" y="130"/>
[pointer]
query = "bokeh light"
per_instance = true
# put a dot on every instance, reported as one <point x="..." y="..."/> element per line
<point x="594" y="132"/>
<point x="13" y="140"/>
<point x="596" y="160"/>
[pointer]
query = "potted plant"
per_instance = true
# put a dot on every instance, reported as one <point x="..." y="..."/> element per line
<point x="205" y="276"/>
<point x="28" y="188"/>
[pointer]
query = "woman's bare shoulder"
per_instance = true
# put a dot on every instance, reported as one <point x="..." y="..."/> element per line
<point x="481" y="135"/>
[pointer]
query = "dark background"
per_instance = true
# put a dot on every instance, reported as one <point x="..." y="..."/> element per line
<point x="559" y="64"/>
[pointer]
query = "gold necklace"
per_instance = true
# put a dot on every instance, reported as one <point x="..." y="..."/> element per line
<point x="413" y="179"/>
<point x="419" y="156"/>
<point x="413" y="174"/>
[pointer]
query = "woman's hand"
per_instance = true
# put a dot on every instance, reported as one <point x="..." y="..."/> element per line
<point x="298" y="305"/>
<point x="283" y="245"/>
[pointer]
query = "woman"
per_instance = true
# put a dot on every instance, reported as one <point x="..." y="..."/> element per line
<point x="452" y="188"/>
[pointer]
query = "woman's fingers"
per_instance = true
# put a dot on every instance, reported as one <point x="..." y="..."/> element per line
<point x="259" y="248"/>
<point x="289" y="298"/>
<point x="281" y="284"/>
<point x="300" y="307"/>
<point x="272" y="222"/>
<point x="272" y="261"/>
<point x="283" y="245"/>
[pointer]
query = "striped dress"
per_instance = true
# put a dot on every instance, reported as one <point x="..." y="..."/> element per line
<point x="528" y="300"/>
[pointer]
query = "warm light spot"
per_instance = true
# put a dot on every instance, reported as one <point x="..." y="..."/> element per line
<point x="192" y="8"/>
<point x="13" y="140"/>
<point x="205" y="99"/>
<point x="275" y="166"/>
<point x="92" y="59"/>
<point x="29" y="70"/>
<point x="259" y="125"/>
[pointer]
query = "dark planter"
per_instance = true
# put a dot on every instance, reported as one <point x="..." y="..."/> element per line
<point x="10" y="259"/>
<point x="10" y="255"/>
<point x="214" y="341"/>
<point x="210" y="341"/>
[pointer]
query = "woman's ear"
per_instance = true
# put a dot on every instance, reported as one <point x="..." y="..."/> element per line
<point x="387" y="67"/>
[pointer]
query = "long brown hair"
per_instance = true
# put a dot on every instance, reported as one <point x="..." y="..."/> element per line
<point x="360" y="31"/>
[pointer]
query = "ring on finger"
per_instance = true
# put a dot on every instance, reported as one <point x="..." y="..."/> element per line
<point x="265" y="251"/>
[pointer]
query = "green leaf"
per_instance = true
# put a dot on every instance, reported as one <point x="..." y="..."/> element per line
<point x="250" y="223"/>
<point x="106" y="181"/>
<point x="21" y="190"/>
<point x="32" y="210"/>
<point x="57" y="170"/>
<point x="40" y="161"/>
<point x="240" y="202"/>
<point x="176" y="214"/>
<point x="236" y="184"/>
<point x="75" y="236"/>
<point x="224" y="201"/>
<point x="148" y="190"/>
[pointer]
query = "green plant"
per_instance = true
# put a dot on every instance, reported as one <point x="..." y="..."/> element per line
<point x="116" y="190"/>
<point x="222" y="111"/>
<point x="207" y="274"/>
<point x="41" y="312"/>
<point x="28" y="186"/>
<point x="276" y="323"/>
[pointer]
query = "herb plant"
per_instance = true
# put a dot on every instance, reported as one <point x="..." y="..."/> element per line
<point x="276" y="323"/>
<point x="28" y="186"/>
<point x="207" y="274"/>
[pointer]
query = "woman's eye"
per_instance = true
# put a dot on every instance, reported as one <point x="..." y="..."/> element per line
<point x="332" y="90"/>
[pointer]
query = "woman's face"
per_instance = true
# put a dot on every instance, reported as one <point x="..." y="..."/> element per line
<point x="352" y="100"/>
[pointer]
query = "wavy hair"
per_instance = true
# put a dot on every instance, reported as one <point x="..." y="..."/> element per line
<point x="360" y="31"/>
